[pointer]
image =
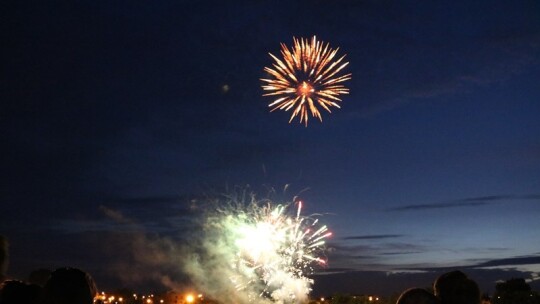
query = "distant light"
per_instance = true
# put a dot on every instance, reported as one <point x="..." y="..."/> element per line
<point x="190" y="298"/>
<point x="225" y="88"/>
<point x="370" y="298"/>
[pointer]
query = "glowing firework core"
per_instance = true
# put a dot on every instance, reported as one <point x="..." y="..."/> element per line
<point x="306" y="77"/>
<point x="305" y="89"/>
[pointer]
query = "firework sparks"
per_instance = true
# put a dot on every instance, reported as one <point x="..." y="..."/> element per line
<point x="306" y="77"/>
<point x="279" y="249"/>
<point x="265" y="251"/>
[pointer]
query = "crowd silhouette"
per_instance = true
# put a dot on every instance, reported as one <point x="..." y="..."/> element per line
<point x="74" y="286"/>
<point x="62" y="286"/>
<point x="450" y="288"/>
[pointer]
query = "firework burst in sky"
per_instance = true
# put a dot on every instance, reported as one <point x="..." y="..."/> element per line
<point x="279" y="249"/>
<point x="306" y="77"/>
<point x="263" y="253"/>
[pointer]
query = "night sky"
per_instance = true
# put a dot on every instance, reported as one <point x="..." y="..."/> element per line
<point x="119" y="118"/>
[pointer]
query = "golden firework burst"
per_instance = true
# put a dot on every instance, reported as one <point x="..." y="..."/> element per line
<point x="306" y="77"/>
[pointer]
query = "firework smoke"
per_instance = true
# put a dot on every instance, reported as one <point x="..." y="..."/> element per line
<point x="257" y="252"/>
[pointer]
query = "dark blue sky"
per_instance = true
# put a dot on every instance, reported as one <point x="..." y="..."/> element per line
<point x="116" y="124"/>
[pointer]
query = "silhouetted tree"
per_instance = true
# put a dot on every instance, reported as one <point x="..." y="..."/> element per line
<point x="356" y="299"/>
<point x="513" y="285"/>
<point x="341" y="299"/>
<point x="515" y="291"/>
<point x="485" y="299"/>
<point x="345" y="299"/>
<point x="4" y="257"/>
<point x="392" y="299"/>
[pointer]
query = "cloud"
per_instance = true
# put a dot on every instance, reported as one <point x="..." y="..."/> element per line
<point x="437" y="206"/>
<point x="521" y="260"/>
<point x="334" y="270"/>
<point x="402" y="252"/>
<point x="363" y="257"/>
<point x="373" y="237"/>
<point x="510" y="263"/>
<point x="81" y="226"/>
<point x="370" y="256"/>
<point x="486" y="250"/>
<point x="175" y="212"/>
<point x="114" y="215"/>
<point x="145" y="200"/>
<point x="342" y="280"/>
<point x="468" y="202"/>
<point x="384" y="282"/>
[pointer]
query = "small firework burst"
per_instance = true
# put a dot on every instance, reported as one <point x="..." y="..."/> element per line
<point x="306" y="77"/>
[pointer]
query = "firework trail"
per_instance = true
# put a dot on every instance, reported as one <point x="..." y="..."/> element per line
<point x="259" y="253"/>
<point x="307" y="76"/>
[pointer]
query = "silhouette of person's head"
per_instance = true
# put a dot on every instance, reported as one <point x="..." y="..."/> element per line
<point x="445" y="283"/>
<point x="4" y="257"/>
<point x="417" y="296"/>
<point x="456" y="288"/>
<point x="70" y="286"/>
<point x="17" y="292"/>
<point x="39" y="276"/>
